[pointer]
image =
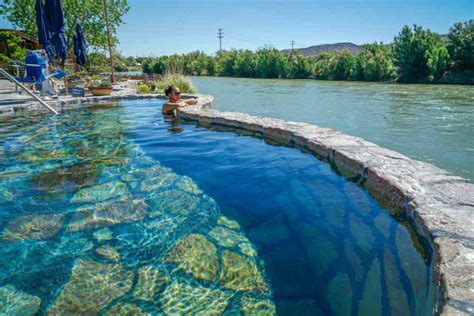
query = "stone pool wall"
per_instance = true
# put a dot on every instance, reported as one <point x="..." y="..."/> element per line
<point x="439" y="204"/>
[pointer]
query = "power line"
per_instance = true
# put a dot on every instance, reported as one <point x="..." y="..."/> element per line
<point x="292" y="45"/>
<point x="220" y="35"/>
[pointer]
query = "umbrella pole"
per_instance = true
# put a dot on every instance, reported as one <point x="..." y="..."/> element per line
<point x="110" y="40"/>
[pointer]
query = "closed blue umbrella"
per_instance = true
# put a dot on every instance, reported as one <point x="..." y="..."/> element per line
<point x="44" y="35"/>
<point x="41" y="23"/>
<point x="54" y="14"/>
<point x="80" y="46"/>
<point x="55" y="18"/>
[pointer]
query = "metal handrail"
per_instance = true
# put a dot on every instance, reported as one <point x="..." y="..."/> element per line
<point x="28" y="91"/>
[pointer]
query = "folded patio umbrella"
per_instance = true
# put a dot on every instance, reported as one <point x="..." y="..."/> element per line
<point x="80" y="46"/>
<point x="44" y="35"/>
<point x="43" y="32"/>
<point x="55" y="19"/>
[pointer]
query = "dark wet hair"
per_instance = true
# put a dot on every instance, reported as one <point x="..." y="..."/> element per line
<point x="170" y="89"/>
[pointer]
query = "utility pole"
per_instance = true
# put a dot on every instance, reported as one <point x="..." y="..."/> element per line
<point x="220" y="35"/>
<point x="292" y="45"/>
<point x="110" y="41"/>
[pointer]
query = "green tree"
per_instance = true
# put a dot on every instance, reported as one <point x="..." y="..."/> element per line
<point x="438" y="60"/>
<point x="321" y="66"/>
<point x="271" y="63"/>
<point x="14" y="51"/>
<point x="97" y="61"/>
<point x="342" y="65"/>
<point x="412" y="50"/>
<point x="300" y="67"/>
<point x="89" y="13"/>
<point x="245" y="64"/>
<point x="461" y="45"/>
<point x="375" y="62"/>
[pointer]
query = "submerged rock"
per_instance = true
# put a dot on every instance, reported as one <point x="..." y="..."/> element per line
<point x="361" y="232"/>
<point x="411" y="252"/>
<point x="271" y="232"/>
<point x="340" y="294"/>
<point x="185" y="299"/>
<point x="103" y="234"/>
<point x="382" y="223"/>
<point x="240" y="274"/>
<point x="5" y="196"/>
<point x="110" y="161"/>
<point x="92" y="286"/>
<point x="253" y="306"/>
<point x="126" y="309"/>
<point x="108" y="252"/>
<point x="107" y="214"/>
<point x="41" y="155"/>
<point x="304" y="307"/>
<point x="141" y="173"/>
<point x="224" y="221"/>
<point x="71" y="177"/>
<point x="226" y="237"/>
<point x="371" y="303"/>
<point x="161" y="181"/>
<point x="33" y="227"/>
<point x="247" y="249"/>
<point x="397" y="297"/>
<point x="14" y="302"/>
<point x="188" y="185"/>
<point x="173" y="201"/>
<point x="3" y="155"/>
<point x="100" y="192"/>
<point x="150" y="282"/>
<point x="354" y="260"/>
<point x="319" y="247"/>
<point x="194" y="254"/>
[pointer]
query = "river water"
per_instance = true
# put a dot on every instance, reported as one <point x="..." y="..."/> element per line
<point x="432" y="123"/>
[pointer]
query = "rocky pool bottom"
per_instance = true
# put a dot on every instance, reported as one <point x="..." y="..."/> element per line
<point x="114" y="210"/>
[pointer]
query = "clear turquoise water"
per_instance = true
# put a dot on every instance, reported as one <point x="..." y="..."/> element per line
<point x="116" y="208"/>
<point x="432" y="123"/>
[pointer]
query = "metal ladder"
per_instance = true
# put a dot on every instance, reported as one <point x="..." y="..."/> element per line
<point x="28" y="91"/>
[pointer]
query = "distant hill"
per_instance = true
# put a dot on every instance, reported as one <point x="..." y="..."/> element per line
<point x="317" y="49"/>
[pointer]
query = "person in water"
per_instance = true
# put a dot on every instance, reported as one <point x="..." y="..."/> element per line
<point x="175" y="101"/>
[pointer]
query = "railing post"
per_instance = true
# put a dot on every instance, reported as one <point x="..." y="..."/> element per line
<point x="30" y="93"/>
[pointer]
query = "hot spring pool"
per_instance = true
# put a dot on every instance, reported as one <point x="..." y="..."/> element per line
<point x="115" y="210"/>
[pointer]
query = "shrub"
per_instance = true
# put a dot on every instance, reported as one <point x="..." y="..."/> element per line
<point x="143" y="89"/>
<point x="184" y="84"/>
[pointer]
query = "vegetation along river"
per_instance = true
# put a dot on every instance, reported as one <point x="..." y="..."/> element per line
<point x="433" y="123"/>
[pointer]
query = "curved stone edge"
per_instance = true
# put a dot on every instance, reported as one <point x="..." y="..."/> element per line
<point x="204" y="101"/>
<point x="439" y="204"/>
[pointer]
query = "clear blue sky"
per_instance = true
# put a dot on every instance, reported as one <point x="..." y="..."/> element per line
<point x="156" y="27"/>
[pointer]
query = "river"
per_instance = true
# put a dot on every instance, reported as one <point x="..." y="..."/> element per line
<point x="432" y="123"/>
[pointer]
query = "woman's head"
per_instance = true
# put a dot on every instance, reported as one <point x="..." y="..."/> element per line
<point x="173" y="93"/>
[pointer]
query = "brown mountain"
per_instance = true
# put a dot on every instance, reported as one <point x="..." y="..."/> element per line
<point x="317" y="49"/>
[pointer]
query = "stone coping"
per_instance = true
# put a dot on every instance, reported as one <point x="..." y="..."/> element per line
<point x="71" y="102"/>
<point x="439" y="204"/>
